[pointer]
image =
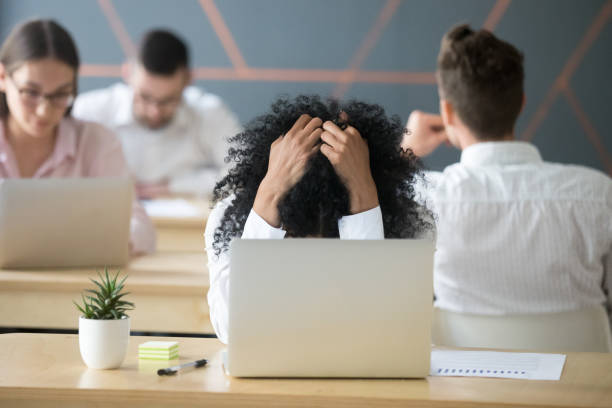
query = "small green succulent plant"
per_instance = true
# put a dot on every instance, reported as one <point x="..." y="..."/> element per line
<point x="105" y="302"/>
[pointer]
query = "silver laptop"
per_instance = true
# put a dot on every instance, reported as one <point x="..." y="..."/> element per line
<point x="71" y="222"/>
<point x="330" y="308"/>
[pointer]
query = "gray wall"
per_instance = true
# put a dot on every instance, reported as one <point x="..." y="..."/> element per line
<point x="383" y="40"/>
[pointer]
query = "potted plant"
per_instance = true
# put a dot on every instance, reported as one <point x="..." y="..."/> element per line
<point x="104" y="328"/>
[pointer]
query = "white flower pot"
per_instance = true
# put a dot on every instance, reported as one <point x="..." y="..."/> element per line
<point x="103" y="343"/>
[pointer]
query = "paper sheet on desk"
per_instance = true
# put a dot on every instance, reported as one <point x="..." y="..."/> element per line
<point x="171" y="207"/>
<point x="529" y="366"/>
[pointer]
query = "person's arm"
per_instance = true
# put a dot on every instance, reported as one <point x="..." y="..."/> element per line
<point x="218" y="123"/>
<point x="425" y="132"/>
<point x="219" y="265"/>
<point x="348" y="153"/>
<point x="218" y="272"/>
<point x="223" y="124"/>
<point x="95" y="106"/>
<point x="198" y="182"/>
<point x="107" y="160"/>
<point x="143" y="237"/>
<point x="364" y="225"/>
<point x="289" y="156"/>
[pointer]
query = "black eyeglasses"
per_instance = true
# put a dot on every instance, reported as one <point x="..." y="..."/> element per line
<point x="163" y="103"/>
<point x="32" y="98"/>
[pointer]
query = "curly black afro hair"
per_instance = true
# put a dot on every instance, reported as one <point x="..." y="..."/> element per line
<point x="314" y="205"/>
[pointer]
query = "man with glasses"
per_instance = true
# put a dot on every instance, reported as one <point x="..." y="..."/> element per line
<point x="173" y="135"/>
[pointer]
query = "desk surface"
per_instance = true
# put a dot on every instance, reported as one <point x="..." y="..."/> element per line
<point x="195" y="217"/>
<point x="183" y="273"/>
<point x="47" y="371"/>
<point x="169" y="290"/>
<point x="179" y="232"/>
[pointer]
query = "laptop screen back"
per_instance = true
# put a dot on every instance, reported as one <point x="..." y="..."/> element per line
<point x="330" y="308"/>
<point x="46" y="223"/>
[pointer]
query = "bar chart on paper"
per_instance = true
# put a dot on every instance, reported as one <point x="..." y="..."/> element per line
<point x="529" y="366"/>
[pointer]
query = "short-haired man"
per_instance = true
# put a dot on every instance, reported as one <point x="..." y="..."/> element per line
<point x="515" y="234"/>
<point x="173" y="135"/>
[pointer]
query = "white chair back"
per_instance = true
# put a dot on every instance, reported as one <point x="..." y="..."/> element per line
<point x="580" y="330"/>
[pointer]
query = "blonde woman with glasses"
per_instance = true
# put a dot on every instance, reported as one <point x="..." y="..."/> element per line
<point x="38" y="136"/>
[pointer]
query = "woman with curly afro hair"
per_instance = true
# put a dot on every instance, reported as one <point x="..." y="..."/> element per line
<point x="312" y="168"/>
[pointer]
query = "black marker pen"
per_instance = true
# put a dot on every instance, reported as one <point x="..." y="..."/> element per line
<point x="172" y="370"/>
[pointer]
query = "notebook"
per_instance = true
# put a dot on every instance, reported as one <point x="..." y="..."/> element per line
<point x="330" y="308"/>
<point x="70" y="222"/>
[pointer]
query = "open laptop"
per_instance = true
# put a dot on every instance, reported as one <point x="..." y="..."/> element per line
<point x="70" y="222"/>
<point x="330" y="308"/>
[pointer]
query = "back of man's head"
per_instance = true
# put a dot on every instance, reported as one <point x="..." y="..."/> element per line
<point x="162" y="53"/>
<point x="482" y="77"/>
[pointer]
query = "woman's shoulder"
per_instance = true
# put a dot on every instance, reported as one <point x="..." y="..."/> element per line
<point x="216" y="216"/>
<point x="218" y="210"/>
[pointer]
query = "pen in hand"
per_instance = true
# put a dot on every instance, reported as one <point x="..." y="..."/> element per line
<point x="172" y="370"/>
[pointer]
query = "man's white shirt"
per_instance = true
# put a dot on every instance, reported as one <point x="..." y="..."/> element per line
<point x="365" y="225"/>
<point x="520" y="235"/>
<point x="188" y="152"/>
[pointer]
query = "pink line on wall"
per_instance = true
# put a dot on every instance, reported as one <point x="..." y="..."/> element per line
<point x="93" y="70"/>
<point x="316" y="75"/>
<point x="224" y="34"/>
<point x="541" y="112"/>
<point x="128" y="47"/>
<point x="394" y="77"/>
<point x="366" y="46"/>
<point x="587" y="41"/>
<point x="281" y="75"/>
<point x="589" y="129"/>
<point x="496" y="14"/>
<point x="568" y="70"/>
<point x="268" y="74"/>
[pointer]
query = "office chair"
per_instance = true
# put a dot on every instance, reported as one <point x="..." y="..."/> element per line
<point x="579" y="330"/>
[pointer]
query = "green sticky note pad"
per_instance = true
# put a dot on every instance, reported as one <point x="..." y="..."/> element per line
<point x="158" y="346"/>
<point x="145" y="356"/>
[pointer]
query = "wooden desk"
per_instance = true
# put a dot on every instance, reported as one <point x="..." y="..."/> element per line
<point x="169" y="290"/>
<point x="46" y="371"/>
<point x="182" y="234"/>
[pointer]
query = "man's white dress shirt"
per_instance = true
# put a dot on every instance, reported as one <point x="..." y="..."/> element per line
<point x="365" y="225"/>
<point x="520" y="235"/>
<point x="188" y="152"/>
